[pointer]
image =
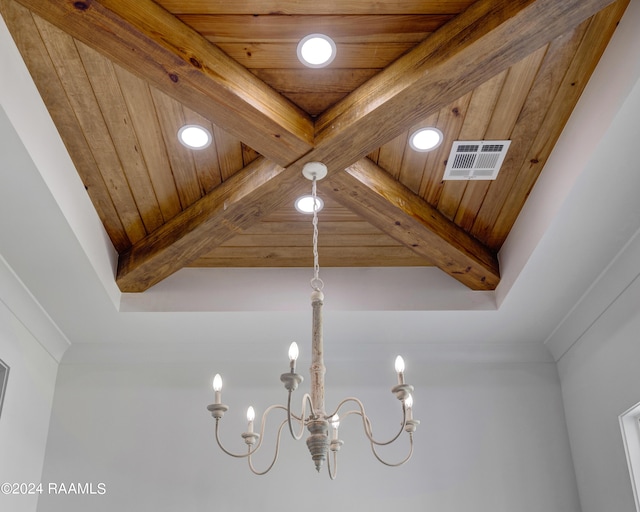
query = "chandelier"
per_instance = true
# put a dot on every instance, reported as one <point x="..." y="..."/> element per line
<point x="322" y="444"/>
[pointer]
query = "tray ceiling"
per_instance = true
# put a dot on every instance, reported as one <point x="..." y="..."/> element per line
<point x="120" y="78"/>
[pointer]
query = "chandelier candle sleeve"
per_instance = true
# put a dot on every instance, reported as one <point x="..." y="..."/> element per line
<point x="293" y="356"/>
<point x="217" y="388"/>
<point x="409" y="405"/>
<point x="251" y="414"/>
<point x="335" y="423"/>
<point x="400" y="369"/>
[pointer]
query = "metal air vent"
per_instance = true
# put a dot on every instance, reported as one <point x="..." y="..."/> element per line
<point x="476" y="160"/>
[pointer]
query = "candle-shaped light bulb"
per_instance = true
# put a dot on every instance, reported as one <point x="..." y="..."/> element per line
<point x="251" y="415"/>
<point x="217" y="387"/>
<point x="400" y="369"/>
<point x="293" y="355"/>
<point x="335" y="423"/>
<point x="408" y="403"/>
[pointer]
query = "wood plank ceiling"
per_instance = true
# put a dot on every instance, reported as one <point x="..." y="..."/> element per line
<point x="120" y="77"/>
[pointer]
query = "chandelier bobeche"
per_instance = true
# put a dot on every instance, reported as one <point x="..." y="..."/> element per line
<point x="316" y="419"/>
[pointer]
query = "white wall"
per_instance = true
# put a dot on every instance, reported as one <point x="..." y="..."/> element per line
<point x="597" y="346"/>
<point x="25" y="329"/>
<point x="492" y="439"/>
<point x="600" y="381"/>
<point x="27" y="407"/>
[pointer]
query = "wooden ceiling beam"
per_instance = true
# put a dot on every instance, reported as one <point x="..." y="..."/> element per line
<point x="487" y="38"/>
<point x="484" y="40"/>
<point x="384" y="202"/>
<point x="234" y="205"/>
<point x="147" y="40"/>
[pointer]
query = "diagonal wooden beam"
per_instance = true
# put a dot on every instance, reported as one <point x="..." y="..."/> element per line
<point x="377" y="197"/>
<point x="481" y="42"/>
<point x="484" y="40"/>
<point x="223" y="213"/>
<point x="487" y="38"/>
<point x="149" y="41"/>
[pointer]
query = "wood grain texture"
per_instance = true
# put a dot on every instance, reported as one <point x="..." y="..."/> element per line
<point x="108" y="93"/>
<point x="314" y="92"/>
<point x="207" y="223"/>
<point x="283" y="55"/>
<point x="413" y="162"/>
<point x="229" y="153"/>
<point x="491" y="69"/>
<point x="171" y="116"/>
<point x="451" y="63"/>
<point x="147" y="40"/>
<point x="365" y="255"/>
<point x="514" y="90"/>
<point x="484" y="40"/>
<point x="481" y="105"/>
<point x="450" y="122"/>
<point x="25" y="32"/>
<point x="384" y="202"/>
<point x="391" y="154"/>
<point x="139" y="100"/>
<point x="70" y="69"/>
<point x="276" y="28"/>
<point x="206" y="161"/>
<point x="559" y="55"/>
<point x="599" y="31"/>
<point x="284" y="236"/>
<point x="309" y="8"/>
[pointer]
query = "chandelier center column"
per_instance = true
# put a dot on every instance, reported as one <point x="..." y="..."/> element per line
<point x="317" y="369"/>
<point x="318" y="426"/>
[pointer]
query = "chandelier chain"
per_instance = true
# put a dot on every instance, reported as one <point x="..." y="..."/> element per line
<point x="316" y="282"/>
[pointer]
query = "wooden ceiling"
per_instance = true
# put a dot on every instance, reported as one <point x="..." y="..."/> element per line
<point x="120" y="77"/>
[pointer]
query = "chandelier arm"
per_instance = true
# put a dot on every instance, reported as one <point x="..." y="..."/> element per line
<point x="396" y="464"/>
<point x="353" y="411"/>
<point x="366" y="422"/>
<point x="236" y="455"/>
<point x="260" y="437"/>
<point x="305" y="399"/>
<point x="385" y="443"/>
<point x="275" y="455"/>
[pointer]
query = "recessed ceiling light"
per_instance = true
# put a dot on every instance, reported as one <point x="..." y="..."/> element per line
<point x="425" y="139"/>
<point x="316" y="50"/>
<point x="304" y="204"/>
<point x="194" y="136"/>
